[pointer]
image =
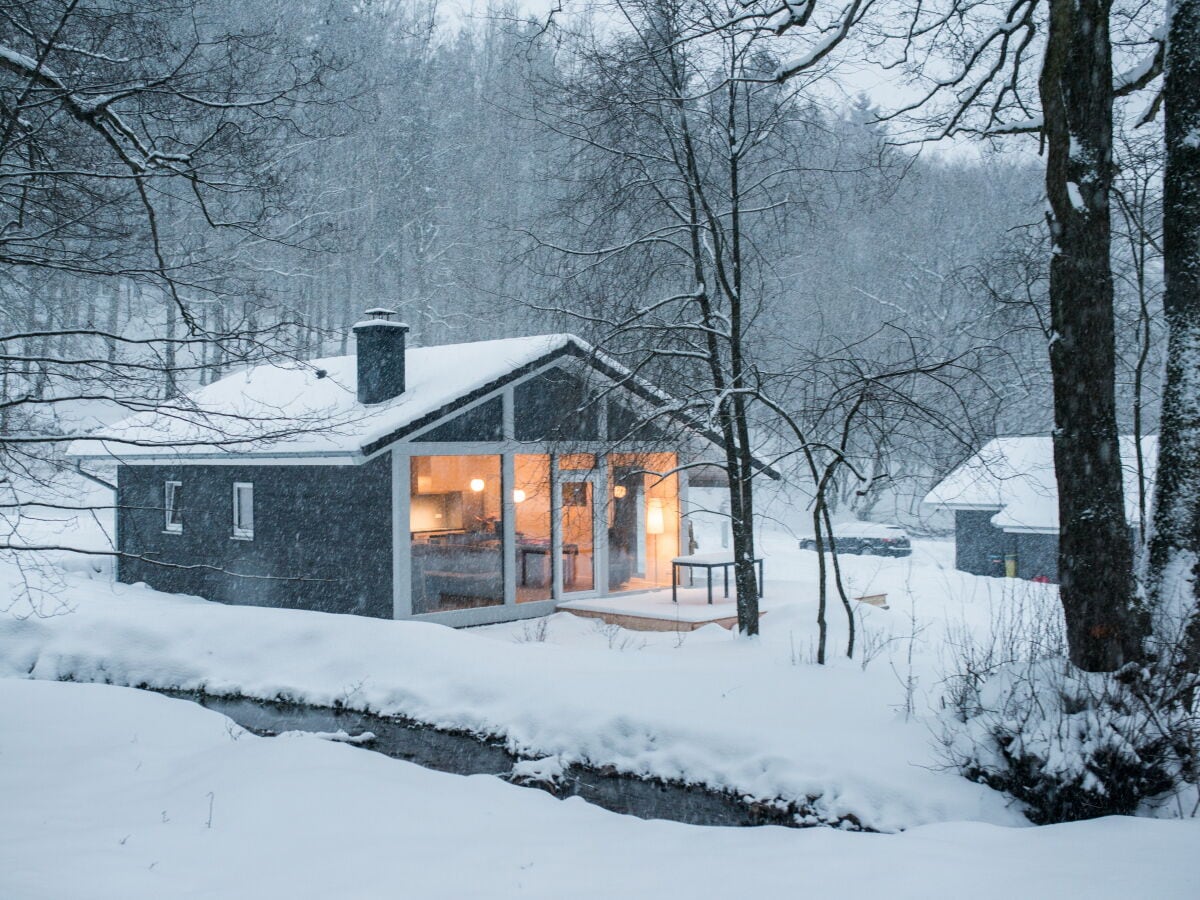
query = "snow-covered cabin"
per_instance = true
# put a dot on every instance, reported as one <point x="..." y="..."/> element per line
<point x="1005" y="504"/>
<point x="466" y="483"/>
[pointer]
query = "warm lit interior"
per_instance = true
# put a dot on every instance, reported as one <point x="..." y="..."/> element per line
<point x="578" y="552"/>
<point x="457" y="535"/>
<point x="531" y="498"/>
<point x="456" y="524"/>
<point x="643" y="520"/>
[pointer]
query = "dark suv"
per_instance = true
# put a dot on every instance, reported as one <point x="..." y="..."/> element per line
<point x="873" y="538"/>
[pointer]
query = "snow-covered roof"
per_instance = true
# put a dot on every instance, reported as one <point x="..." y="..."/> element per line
<point x="312" y="408"/>
<point x="1014" y="476"/>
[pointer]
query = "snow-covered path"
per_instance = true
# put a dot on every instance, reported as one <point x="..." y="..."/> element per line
<point x="122" y="794"/>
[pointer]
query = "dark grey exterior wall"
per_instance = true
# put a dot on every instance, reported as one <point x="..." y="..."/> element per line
<point x="1037" y="556"/>
<point x="556" y="406"/>
<point x="322" y="533"/>
<point x="979" y="546"/>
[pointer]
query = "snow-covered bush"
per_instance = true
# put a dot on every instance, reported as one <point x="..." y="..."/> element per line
<point x="1069" y="744"/>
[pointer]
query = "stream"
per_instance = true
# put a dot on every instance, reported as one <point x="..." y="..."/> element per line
<point x="462" y="753"/>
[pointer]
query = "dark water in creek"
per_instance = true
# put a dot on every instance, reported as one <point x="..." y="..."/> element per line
<point x="465" y="754"/>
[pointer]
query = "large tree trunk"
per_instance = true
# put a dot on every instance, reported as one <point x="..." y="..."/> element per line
<point x="1104" y="627"/>
<point x="1173" y="580"/>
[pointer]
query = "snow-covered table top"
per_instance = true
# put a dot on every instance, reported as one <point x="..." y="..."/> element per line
<point x="707" y="559"/>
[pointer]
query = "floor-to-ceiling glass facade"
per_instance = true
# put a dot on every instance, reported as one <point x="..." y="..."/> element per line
<point x="623" y="509"/>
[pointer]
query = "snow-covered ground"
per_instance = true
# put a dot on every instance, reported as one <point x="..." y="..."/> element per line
<point x="115" y="793"/>
<point x="752" y="716"/>
<point x="850" y="739"/>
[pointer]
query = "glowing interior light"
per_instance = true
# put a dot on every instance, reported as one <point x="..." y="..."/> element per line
<point x="620" y="491"/>
<point x="518" y="496"/>
<point x="477" y="484"/>
<point x="655" y="521"/>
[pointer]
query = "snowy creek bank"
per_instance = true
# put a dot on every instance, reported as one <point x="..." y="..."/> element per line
<point x="742" y="718"/>
<point x="463" y="753"/>
<point x="119" y="794"/>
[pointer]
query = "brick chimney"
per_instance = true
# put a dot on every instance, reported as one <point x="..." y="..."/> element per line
<point x="380" y="356"/>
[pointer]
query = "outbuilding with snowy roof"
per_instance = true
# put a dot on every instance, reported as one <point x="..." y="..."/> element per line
<point x="1005" y="504"/>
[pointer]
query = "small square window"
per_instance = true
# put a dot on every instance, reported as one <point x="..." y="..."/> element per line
<point x="172" y="510"/>
<point x="243" y="510"/>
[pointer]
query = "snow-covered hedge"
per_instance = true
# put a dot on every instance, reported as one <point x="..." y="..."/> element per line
<point x="1069" y="744"/>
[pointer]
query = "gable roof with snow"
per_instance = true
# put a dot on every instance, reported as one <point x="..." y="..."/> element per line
<point x="309" y="410"/>
<point x="312" y="409"/>
<point x="1014" y="476"/>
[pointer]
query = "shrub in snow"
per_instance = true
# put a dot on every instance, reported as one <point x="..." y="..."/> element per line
<point x="1069" y="744"/>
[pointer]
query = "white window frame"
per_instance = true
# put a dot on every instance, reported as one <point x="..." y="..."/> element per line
<point x="170" y="501"/>
<point x="240" y="533"/>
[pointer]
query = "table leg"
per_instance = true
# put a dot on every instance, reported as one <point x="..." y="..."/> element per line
<point x="710" y="585"/>
<point x="725" y="571"/>
<point x="674" y="583"/>
<point x="760" y="579"/>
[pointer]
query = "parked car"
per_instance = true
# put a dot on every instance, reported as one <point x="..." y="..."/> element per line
<point x="874" y="538"/>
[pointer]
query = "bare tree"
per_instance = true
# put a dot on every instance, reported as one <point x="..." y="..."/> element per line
<point x="144" y="154"/>
<point x="680" y="156"/>
<point x="1104" y="621"/>
<point x="1137" y="269"/>
<point x="841" y="402"/>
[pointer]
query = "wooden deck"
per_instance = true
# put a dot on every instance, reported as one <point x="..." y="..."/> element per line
<point x="654" y="611"/>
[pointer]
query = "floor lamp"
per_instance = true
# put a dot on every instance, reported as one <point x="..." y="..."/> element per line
<point x="655" y="525"/>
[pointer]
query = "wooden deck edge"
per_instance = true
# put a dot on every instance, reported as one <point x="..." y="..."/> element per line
<point x="651" y="623"/>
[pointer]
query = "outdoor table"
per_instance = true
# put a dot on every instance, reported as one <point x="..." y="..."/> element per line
<point x="708" y="561"/>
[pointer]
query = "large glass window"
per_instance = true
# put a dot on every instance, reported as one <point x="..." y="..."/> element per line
<point x="643" y="520"/>
<point x="531" y="500"/>
<point x="455" y="521"/>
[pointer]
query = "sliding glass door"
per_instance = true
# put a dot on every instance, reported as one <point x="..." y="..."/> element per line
<point x="643" y="520"/>
<point x="578" y="479"/>
<point x="532" y="504"/>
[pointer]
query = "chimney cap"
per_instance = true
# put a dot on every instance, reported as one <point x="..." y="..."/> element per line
<point x="379" y="315"/>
